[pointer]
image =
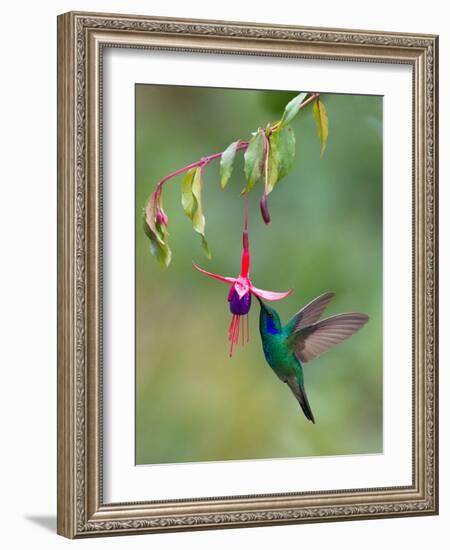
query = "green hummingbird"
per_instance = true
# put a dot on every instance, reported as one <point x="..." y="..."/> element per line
<point x="302" y="339"/>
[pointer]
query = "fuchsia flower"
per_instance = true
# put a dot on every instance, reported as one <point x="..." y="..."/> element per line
<point x="240" y="298"/>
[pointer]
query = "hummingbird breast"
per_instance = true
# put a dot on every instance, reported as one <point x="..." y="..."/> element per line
<point x="278" y="355"/>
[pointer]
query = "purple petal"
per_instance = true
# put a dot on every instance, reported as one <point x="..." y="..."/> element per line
<point x="239" y="306"/>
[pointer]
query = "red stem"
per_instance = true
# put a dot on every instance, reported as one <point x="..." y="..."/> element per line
<point x="245" y="233"/>
<point x="199" y="163"/>
<point x="245" y="262"/>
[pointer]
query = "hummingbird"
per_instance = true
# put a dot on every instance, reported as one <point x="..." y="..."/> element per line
<point x="302" y="339"/>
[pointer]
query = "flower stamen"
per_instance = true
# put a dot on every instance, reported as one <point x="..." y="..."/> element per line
<point x="233" y="333"/>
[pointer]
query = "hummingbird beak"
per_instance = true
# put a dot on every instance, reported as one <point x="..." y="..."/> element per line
<point x="261" y="303"/>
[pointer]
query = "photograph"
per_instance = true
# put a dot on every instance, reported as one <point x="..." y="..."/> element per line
<point x="236" y="191"/>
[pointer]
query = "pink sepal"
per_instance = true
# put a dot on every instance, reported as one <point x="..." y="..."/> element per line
<point x="269" y="295"/>
<point x="214" y="276"/>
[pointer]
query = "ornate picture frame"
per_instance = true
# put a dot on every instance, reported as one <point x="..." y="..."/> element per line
<point x="82" y="38"/>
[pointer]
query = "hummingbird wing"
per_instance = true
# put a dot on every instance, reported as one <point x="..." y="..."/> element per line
<point x="311" y="341"/>
<point x="310" y="313"/>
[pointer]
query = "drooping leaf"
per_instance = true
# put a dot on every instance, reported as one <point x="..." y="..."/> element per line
<point x="191" y="199"/>
<point x="270" y="178"/>
<point x="156" y="231"/>
<point x="278" y="162"/>
<point x="226" y="163"/>
<point x="187" y="198"/>
<point x="292" y="108"/>
<point x="162" y="252"/>
<point x="271" y="175"/>
<point x="198" y="219"/>
<point x="321" y="117"/>
<point x="281" y="153"/>
<point x="158" y="242"/>
<point x="205" y="247"/>
<point x="286" y="150"/>
<point x="254" y="159"/>
<point x="150" y="215"/>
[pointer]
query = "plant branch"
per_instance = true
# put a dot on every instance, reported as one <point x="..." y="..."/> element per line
<point x="204" y="161"/>
<point x="311" y="98"/>
<point x="242" y="146"/>
<point x="155" y="219"/>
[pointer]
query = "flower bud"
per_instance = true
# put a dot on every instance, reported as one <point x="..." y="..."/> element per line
<point x="161" y="217"/>
<point x="264" y="209"/>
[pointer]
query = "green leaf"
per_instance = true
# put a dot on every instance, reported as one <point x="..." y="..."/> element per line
<point x="158" y="242"/>
<point x="156" y="232"/>
<point x="321" y="117"/>
<point x="150" y="215"/>
<point x="272" y="166"/>
<point x="162" y="252"/>
<point x="286" y="150"/>
<point x="187" y="198"/>
<point x="226" y="163"/>
<point x="205" y="247"/>
<point x="191" y="199"/>
<point x="281" y="156"/>
<point x="253" y="159"/>
<point x="198" y="219"/>
<point x="292" y="108"/>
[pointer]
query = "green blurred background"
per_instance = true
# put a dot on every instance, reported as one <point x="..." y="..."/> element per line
<point x="194" y="403"/>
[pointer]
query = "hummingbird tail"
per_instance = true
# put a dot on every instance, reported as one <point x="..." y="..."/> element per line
<point x="304" y="404"/>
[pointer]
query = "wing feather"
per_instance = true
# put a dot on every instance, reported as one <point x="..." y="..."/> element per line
<point x="310" y="313"/>
<point x="313" y="340"/>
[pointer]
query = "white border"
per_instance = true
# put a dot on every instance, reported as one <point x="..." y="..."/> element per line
<point x="125" y="482"/>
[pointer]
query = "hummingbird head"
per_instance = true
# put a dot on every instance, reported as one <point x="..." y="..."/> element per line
<point x="269" y="320"/>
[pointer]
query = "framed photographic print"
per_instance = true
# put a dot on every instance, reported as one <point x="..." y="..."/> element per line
<point x="247" y="276"/>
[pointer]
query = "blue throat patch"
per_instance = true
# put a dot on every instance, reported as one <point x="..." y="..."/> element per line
<point x="270" y="326"/>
